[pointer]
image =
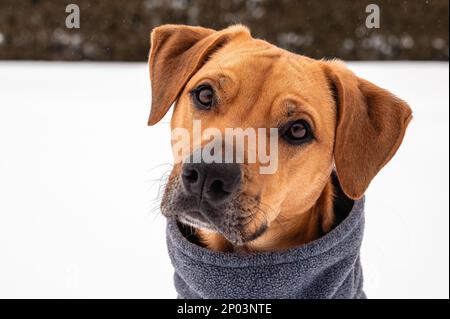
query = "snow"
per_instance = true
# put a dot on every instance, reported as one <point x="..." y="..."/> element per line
<point x="79" y="173"/>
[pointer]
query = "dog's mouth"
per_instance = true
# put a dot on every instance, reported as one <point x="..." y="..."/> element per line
<point x="236" y="233"/>
<point x="234" y="229"/>
<point x="239" y="220"/>
<point x="195" y="219"/>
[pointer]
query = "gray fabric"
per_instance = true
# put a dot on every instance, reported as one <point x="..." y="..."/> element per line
<point x="328" y="267"/>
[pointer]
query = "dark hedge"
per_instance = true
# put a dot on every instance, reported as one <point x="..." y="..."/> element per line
<point x="119" y="30"/>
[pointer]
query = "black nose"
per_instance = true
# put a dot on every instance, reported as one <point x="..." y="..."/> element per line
<point x="214" y="182"/>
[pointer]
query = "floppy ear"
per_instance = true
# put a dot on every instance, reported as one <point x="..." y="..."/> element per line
<point x="177" y="52"/>
<point x="371" y="123"/>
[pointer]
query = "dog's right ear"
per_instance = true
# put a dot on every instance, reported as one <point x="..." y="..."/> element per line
<point x="371" y="124"/>
<point x="177" y="52"/>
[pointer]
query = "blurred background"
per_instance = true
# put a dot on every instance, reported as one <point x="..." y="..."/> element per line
<point x="115" y="30"/>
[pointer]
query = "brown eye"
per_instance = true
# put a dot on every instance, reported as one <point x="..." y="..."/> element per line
<point x="297" y="132"/>
<point x="203" y="97"/>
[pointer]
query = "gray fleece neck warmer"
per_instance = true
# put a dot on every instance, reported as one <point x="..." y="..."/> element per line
<point x="328" y="267"/>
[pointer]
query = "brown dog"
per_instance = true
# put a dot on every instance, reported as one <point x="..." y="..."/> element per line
<point x="328" y="119"/>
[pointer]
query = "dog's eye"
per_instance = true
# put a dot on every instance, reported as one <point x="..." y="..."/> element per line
<point x="203" y="97"/>
<point x="297" y="132"/>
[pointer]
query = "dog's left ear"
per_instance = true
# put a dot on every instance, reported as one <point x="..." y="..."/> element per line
<point x="371" y="123"/>
<point x="177" y="52"/>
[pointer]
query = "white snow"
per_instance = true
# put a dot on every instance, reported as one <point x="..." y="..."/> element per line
<point x="78" y="182"/>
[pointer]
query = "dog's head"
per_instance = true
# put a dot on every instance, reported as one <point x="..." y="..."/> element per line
<point x="326" y="118"/>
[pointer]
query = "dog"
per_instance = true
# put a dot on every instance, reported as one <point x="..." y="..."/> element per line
<point x="330" y="123"/>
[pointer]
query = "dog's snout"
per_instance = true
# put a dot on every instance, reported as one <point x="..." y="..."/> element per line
<point x="214" y="182"/>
